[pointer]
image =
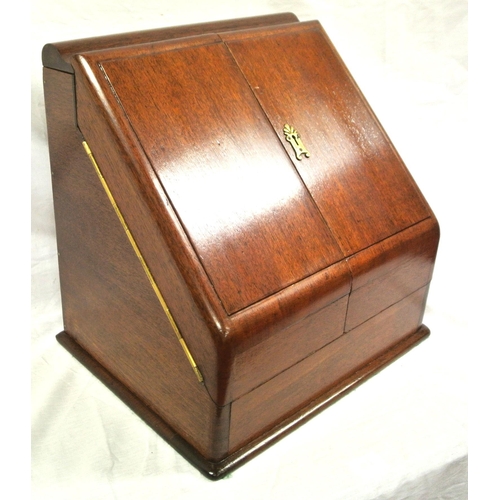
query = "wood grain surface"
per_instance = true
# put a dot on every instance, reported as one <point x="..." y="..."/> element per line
<point x="354" y="174"/>
<point x="60" y="55"/>
<point x="109" y="307"/>
<point x="285" y="277"/>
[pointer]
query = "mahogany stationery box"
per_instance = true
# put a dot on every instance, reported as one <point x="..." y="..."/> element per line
<point x="239" y="242"/>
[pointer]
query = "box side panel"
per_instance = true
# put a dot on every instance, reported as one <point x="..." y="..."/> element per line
<point x="293" y="389"/>
<point x="110" y="308"/>
<point x="161" y="240"/>
<point x="353" y="172"/>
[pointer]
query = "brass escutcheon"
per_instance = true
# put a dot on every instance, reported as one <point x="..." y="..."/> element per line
<point x="293" y="137"/>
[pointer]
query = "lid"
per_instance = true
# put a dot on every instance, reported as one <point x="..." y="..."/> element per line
<point x="354" y="174"/>
<point x="210" y="114"/>
<point x="250" y="218"/>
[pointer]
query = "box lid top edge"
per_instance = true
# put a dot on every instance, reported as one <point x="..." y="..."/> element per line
<point x="59" y="55"/>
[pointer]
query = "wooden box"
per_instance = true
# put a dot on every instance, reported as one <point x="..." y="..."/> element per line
<point x="239" y="242"/>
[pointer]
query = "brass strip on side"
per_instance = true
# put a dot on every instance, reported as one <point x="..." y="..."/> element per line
<point x="143" y="263"/>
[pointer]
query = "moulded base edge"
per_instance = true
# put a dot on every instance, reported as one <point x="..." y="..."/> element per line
<point x="217" y="470"/>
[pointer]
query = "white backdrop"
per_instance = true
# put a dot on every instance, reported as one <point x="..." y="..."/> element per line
<point x="403" y="434"/>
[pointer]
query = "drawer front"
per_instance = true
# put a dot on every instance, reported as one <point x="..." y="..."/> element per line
<point x="290" y="391"/>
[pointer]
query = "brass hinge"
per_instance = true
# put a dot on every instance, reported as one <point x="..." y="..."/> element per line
<point x="152" y="281"/>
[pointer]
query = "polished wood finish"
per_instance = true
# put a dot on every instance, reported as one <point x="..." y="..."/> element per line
<point x="217" y="470"/>
<point x="306" y="381"/>
<point x="220" y="115"/>
<point x="229" y="334"/>
<point x="60" y="56"/>
<point x="299" y="78"/>
<point x="102" y="281"/>
<point x="397" y="265"/>
<point x="289" y="280"/>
